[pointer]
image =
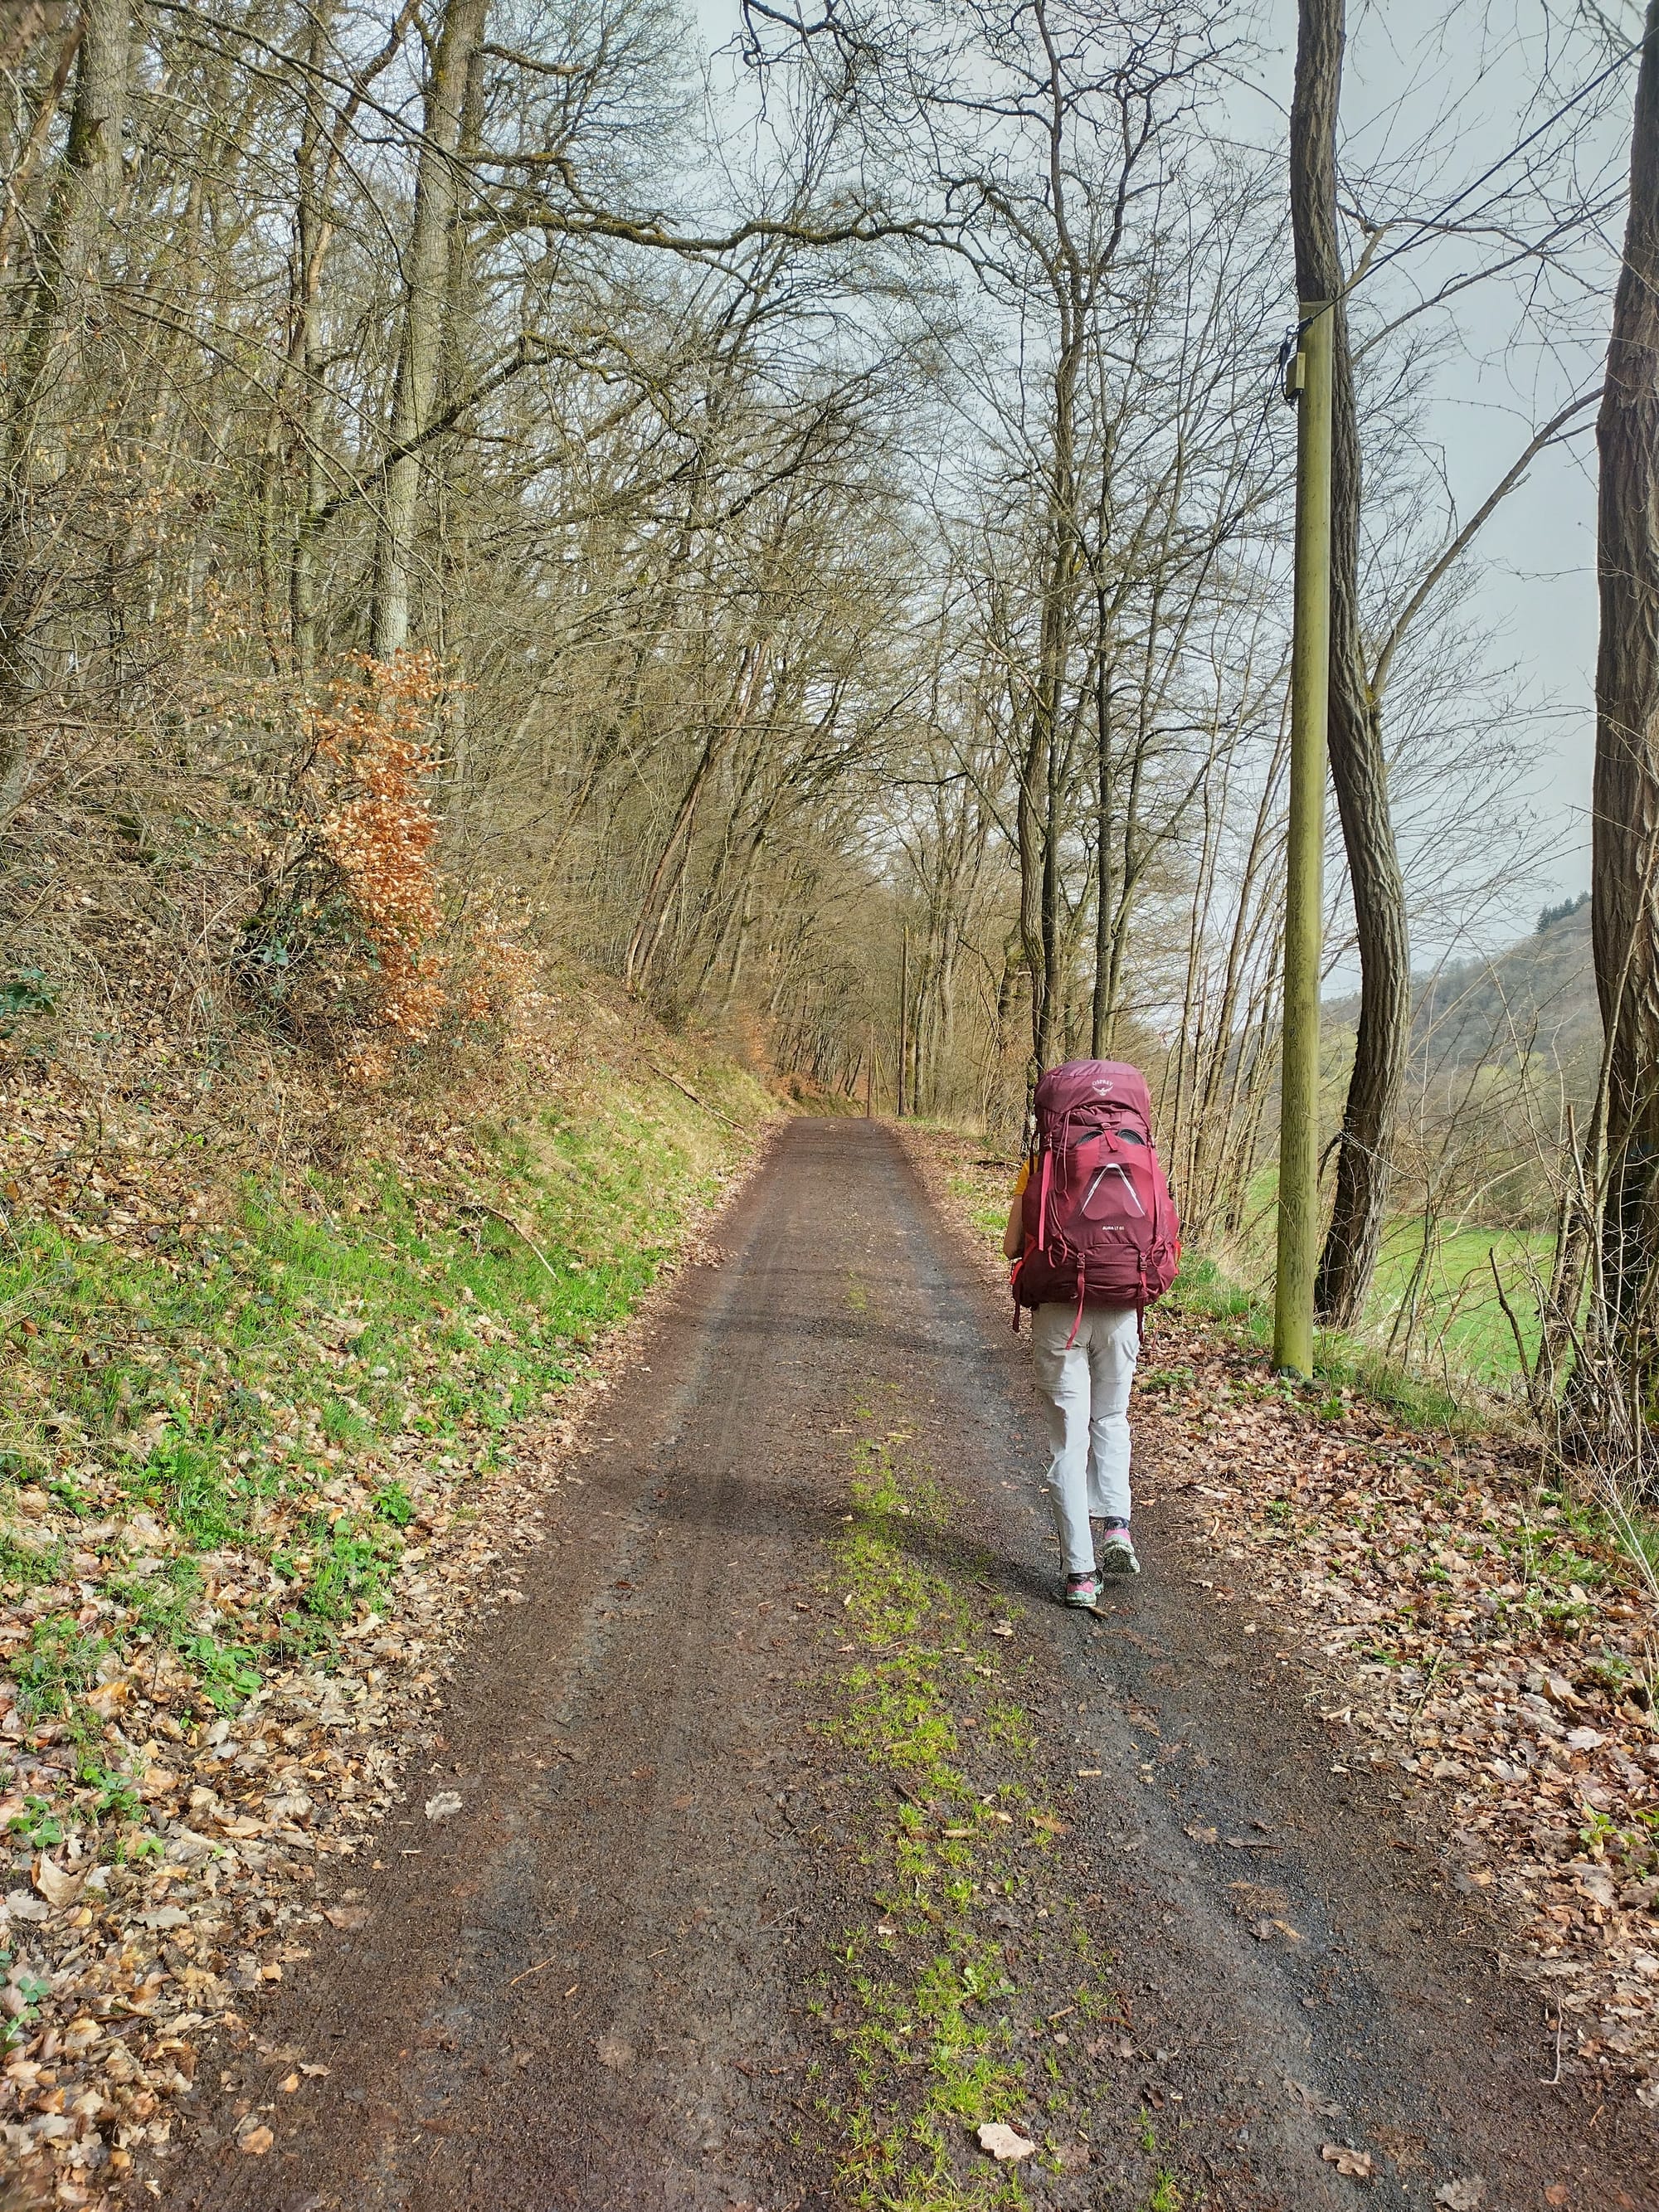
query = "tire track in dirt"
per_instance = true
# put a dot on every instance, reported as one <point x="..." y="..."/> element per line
<point x="590" y="1987"/>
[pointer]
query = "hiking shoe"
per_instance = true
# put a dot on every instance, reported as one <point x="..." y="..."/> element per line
<point x="1082" y="1589"/>
<point x="1117" y="1553"/>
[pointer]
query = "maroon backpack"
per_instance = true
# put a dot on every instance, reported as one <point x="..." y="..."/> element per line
<point x="1100" y="1224"/>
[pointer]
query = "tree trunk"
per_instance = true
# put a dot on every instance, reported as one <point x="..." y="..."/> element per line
<point x="427" y="290"/>
<point x="1624" y="896"/>
<point x="458" y="492"/>
<point x="1358" y="769"/>
<point x="23" y="162"/>
<point x="88" y="184"/>
<point x="305" y="354"/>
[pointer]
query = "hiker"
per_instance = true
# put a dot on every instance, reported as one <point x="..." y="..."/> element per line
<point x="1093" y="1236"/>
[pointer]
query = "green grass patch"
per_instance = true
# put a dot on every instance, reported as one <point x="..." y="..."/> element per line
<point x="1345" y="1367"/>
<point x="986" y="1203"/>
<point x="1437" y="1296"/>
<point x="937" y="2034"/>
<point x="235" y="1435"/>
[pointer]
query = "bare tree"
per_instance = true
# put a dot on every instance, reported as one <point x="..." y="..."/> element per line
<point x="428" y="292"/>
<point x="1625" y="879"/>
<point x="54" y="316"/>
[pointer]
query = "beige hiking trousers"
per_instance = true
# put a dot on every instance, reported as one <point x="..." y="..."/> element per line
<point x="1086" y="1401"/>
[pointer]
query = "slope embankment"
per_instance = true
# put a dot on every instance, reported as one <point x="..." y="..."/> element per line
<point x="285" y="1359"/>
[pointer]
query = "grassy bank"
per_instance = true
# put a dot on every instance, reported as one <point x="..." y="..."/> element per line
<point x="231" y="1424"/>
<point x="1439" y="1294"/>
<point x="263" y="1398"/>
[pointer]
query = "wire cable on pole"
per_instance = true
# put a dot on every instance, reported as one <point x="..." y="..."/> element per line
<point x="1433" y="222"/>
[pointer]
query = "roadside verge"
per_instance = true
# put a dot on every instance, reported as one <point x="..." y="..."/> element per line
<point x="276" y="1432"/>
<point x="1477" y="1638"/>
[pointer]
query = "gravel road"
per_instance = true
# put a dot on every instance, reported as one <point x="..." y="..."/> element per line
<point x="600" y="1983"/>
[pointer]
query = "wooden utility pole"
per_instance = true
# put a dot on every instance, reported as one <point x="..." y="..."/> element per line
<point x="904" y="1018"/>
<point x="1308" y="383"/>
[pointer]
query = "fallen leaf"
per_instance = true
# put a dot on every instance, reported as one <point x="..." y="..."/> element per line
<point x="1466" y="2193"/>
<point x="1003" y="2143"/>
<point x="1356" y="2164"/>
<point x="288" y="2085"/>
<point x="56" y="1884"/>
<point x="1310" y="2100"/>
<point x="1556" y="2193"/>
<point x="1204" y="1835"/>
<point x="257" y="2140"/>
<point x="347" y="1916"/>
<point x="1403" y="2150"/>
<point x="614" y="2053"/>
<point x="1002" y="1628"/>
<point x="444" y="1806"/>
<point x="1595" y="1882"/>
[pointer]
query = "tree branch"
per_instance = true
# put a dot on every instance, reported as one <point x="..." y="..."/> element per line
<point x="1437" y="567"/>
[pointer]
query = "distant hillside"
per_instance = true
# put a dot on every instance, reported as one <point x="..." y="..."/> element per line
<point x="1539" y="993"/>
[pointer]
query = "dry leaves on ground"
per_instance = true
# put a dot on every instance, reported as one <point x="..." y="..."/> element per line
<point x="128" y="1966"/>
<point x="1357" y="2165"/>
<point x="256" y="1816"/>
<point x="1484" y="1644"/>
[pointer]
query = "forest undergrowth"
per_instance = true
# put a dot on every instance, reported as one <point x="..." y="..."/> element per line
<point x="286" y="1363"/>
<point x="1464" y="1622"/>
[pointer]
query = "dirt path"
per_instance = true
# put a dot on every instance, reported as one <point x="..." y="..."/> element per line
<point x="621" y="1972"/>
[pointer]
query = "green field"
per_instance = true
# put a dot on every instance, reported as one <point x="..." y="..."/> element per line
<point x="1458" y="1324"/>
<point x="1456" y="1328"/>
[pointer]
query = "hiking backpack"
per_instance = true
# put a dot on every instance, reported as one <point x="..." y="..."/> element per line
<point x="1100" y="1224"/>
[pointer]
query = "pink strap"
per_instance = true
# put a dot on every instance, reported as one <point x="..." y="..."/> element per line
<point x="1082" y="1291"/>
<point x="1042" y="1200"/>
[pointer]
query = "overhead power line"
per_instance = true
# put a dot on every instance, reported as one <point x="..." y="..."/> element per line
<point x="1433" y="222"/>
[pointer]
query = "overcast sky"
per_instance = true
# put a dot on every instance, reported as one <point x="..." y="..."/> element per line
<point x="1415" y="72"/>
